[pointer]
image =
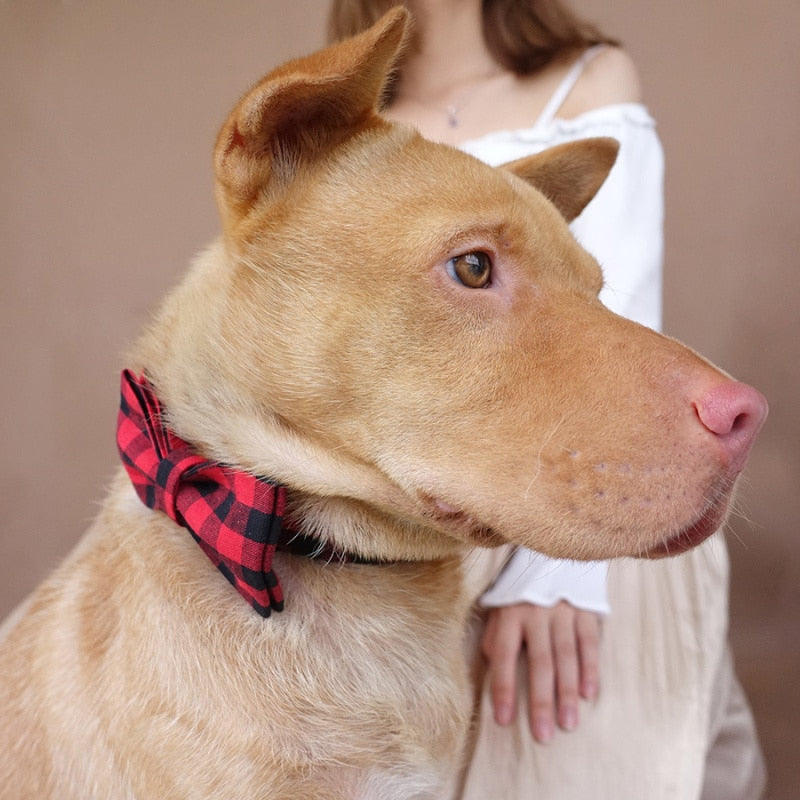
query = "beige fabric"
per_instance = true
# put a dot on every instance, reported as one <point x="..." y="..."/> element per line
<point x="669" y="703"/>
<point x="735" y="768"/>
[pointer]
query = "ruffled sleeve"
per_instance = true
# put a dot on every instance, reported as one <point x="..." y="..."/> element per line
<point x="530" y="577"/>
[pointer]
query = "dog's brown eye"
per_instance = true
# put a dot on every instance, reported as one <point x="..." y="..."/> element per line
<point x="473" y="270"/>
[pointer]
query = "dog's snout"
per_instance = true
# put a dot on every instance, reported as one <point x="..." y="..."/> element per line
<point x="734" y="412"/>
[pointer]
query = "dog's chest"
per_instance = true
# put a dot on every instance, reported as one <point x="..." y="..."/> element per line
<point x="364" y="668"/>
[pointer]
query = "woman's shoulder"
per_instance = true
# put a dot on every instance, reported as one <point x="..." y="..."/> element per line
<point x="609" y="78"/>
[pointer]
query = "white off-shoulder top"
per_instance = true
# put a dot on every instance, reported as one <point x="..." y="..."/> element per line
<point x="623" y="228"/>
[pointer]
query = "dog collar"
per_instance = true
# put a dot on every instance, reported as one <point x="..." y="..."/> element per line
<point x="234" y="516"/>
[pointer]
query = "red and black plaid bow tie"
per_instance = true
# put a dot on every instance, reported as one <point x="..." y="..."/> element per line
<point x="234" y="516"/>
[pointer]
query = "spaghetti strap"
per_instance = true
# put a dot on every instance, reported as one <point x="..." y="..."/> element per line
<point x="565" y="87"/>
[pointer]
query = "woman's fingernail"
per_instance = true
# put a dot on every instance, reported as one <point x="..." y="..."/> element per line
<point x="569" y="719"/>
<point x="543" y="730"/>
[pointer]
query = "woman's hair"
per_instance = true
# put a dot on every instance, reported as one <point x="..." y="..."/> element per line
<point x="522" y="35"/>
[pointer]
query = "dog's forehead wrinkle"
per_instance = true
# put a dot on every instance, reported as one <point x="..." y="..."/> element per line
<point x="454" y="236"/>
<point x="407" y="167"/>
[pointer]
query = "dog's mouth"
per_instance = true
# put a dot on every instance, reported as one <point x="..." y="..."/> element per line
<point x="457" y="522"/>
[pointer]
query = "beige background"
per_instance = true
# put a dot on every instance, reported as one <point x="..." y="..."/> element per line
<point x="107" y="116"/>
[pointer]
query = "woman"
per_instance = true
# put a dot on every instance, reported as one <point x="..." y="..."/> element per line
<point x="502" y="79"/>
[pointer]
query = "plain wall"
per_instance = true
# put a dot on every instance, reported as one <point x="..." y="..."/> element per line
<point x="108" y="112"/>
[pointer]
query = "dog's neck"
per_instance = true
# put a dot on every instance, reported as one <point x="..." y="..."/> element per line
<point x="237" y="517"/>
<point x="357" y="527"/>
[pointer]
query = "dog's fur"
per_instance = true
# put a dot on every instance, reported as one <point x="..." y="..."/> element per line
<point x="325" y="341"/>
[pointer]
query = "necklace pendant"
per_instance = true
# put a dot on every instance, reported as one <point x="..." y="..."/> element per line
<point x="452" y="116"/>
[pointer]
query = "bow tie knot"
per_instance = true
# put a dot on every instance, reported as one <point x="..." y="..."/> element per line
<point x="172" y="471"/>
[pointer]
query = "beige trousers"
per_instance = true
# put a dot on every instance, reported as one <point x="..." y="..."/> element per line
<point x="671" y="722"/>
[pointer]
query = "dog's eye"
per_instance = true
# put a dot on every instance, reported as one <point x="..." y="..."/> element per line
<point x="473" y="270"/>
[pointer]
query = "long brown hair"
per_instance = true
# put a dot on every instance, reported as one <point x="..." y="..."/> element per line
<point x="522" y="35"/>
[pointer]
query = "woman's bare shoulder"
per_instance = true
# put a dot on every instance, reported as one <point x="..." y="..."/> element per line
<point x="609" y="78"/>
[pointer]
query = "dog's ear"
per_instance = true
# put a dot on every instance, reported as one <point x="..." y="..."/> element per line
<point x="300" y="110"/>
<point x="569" y="175"/>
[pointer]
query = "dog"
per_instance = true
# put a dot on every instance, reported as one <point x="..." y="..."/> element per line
<point x="392" y="354"/>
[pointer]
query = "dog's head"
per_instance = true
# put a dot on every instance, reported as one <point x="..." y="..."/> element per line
<point x="391" y="326"/>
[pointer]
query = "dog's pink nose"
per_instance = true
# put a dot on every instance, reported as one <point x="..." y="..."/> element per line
<point x="734" y="412"/>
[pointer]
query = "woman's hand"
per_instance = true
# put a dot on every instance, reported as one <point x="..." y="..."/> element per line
<point x="562" y="645"/>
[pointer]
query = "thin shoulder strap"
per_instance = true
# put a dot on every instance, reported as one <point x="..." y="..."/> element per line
<point x="565" y="87"/>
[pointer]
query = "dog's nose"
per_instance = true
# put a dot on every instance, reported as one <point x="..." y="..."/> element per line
<point x="734" y="412"/>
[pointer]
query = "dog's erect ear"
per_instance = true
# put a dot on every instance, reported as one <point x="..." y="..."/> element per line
<point x="300" y="110"/>
<point x="569" y="175"/>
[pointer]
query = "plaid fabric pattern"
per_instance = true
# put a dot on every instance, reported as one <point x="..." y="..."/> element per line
<point x="234" y="516"/>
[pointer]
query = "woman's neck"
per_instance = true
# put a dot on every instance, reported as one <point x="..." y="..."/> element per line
<point x="451" y="55"/>
<point x="450" y="87"/>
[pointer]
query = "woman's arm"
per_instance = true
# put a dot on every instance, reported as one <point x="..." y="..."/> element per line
<point x="622" y="228"/>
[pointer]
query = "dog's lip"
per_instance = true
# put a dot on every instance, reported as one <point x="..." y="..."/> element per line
<point x="442" y="511"/>
<point x="706" y="524"/>
<point x="455" y="519"/>
<point x="446" y="510"/>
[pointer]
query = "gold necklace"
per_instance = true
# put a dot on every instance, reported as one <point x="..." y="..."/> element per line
<point x="452" y="110"/>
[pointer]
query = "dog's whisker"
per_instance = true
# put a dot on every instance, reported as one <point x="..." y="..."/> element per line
<point x="545" y="442"/>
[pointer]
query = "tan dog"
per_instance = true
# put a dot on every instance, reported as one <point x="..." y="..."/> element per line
<point x="411" y="343"/>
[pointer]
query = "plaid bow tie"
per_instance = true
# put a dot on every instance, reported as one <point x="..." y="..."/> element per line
<point x="234" y="516"/>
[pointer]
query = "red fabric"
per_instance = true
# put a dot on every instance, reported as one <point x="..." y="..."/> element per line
<point x="234" y="516"/>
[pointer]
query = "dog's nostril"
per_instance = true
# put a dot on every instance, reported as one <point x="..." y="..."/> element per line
<point x="741" y="421"/>
<point x="734" y="412"/>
